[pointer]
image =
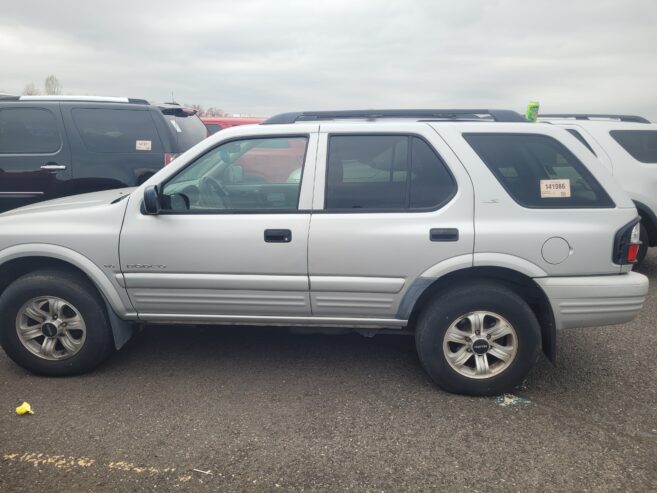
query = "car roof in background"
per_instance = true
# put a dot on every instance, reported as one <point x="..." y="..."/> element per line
<point x="602" y="117"/>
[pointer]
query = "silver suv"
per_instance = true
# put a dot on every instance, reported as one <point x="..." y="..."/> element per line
<point x="627" y="146"/>
<point x="481" y="234"/>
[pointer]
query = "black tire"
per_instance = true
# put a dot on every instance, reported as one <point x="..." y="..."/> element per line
<point x="447" y="307"/>
<point x="643" y="248"/>
<point x="76" y="290"/>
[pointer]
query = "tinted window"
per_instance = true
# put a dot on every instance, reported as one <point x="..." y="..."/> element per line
<point x="112" y="130"/>
<point x="248" y="174"/>
<point x="579" y="137"/>
<point x="539" y="171"/>
<point x="391" y="172"/>
<point x="641" y="144"/>
<point x="188" y="130"/>
<point x="28" y="131"/>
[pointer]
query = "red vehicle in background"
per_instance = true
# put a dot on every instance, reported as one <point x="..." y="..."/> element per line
<point x="216" y="123"/>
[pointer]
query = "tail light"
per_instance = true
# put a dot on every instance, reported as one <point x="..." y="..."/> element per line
<point x="169" y="157"/>
<point x="627" y="242"/>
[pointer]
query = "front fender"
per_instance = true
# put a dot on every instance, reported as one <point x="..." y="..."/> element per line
<point x="114" y="294"/>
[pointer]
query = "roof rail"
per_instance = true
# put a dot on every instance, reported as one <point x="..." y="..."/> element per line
<point x="587" y="116"/>
<point x="94" y="99"/>
<point x="422" y="114"/>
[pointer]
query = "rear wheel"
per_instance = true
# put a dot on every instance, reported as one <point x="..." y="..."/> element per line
<point x="53" y="323"/>
<point x="478" y="339"/>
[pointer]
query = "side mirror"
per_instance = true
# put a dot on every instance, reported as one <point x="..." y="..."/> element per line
<point x="151" y="200"/>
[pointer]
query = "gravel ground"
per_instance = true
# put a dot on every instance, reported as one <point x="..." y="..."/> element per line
<point x="245" y="409"/>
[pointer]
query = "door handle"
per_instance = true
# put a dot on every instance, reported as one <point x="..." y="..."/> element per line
<point x="53" y="167"/>
<point x="278" y="235"/>
<point x="444" y="234"/>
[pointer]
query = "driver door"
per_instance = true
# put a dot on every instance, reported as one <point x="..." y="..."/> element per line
<point x="231" y="243"/>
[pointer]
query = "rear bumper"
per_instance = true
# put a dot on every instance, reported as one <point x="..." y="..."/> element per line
<point x="595" y="300"/>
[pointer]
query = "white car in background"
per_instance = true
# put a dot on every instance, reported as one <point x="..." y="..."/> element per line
<point x="627" y="146"/>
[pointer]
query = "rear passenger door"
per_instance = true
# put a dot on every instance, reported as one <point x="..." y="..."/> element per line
<point x="390" y="203"/>
<point x="34" y="155"/>
<point x="112" y="147"/>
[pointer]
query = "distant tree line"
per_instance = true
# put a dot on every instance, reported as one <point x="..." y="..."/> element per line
<point x="51" y="86"/>
<point x="211" y="111"/>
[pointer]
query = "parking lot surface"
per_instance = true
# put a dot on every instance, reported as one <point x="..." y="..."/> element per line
<point x="253" y="409"/>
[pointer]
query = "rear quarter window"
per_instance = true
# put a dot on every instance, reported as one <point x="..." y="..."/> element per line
<point x="640" y="144"/>
<point x="538" y="171"/>
<point x="117" y="130"/>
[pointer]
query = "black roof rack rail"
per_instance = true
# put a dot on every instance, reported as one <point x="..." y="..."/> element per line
<point x="587" y="116"/>
<point x="422" y="114"/>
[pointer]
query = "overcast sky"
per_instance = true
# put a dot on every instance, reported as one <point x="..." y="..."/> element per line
<point x="261" y="57"/>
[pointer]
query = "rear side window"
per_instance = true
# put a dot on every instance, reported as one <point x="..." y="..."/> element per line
<point x="28" y="131"/>
<point x="538" y="171"/>
<point x="579" y="137"/>
<point x="641" y="144"/>
<point x="188" y="130"/>
<point x="385" y="172"/>
<point x="114" y="130"/>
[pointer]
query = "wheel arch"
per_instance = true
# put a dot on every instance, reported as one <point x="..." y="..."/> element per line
<point x="424" y="289"/>
<point x="14" y="264"/>
<point x="649" y="219"/>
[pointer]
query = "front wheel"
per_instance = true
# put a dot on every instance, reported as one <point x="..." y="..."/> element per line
<point x="478" y="339"/>
<point x="53" y="323"/>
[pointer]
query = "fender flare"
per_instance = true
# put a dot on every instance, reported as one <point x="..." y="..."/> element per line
<point x="119" y="314"/>
<point x="465" y="262"/>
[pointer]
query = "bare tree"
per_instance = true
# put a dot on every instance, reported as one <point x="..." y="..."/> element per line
<point x="199" y="109"/>
<point x="30" y="89"/>
<point x="212" y="111"/>
<point x="52" y="85"/>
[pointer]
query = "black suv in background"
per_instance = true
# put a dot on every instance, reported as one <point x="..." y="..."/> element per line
<point x="53" y="146"/>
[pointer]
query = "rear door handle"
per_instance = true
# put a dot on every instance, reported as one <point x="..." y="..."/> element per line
<point x="53" y="167"/>
<point x="278" y="235"/>
<point x="444" y="234"/>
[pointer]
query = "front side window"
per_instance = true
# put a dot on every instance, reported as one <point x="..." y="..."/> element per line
<point x="538" y="171"/>
<point x="385" y="172"/>
<point x="113" y="130"/>
<point x="249" y="174"/>
<point x="28" y="131"/>
<point x="641" y="144"/>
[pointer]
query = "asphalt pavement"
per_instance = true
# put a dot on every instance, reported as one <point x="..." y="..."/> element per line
<point x="258" y="409"/>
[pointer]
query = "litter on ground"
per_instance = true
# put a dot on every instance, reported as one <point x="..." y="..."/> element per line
<point x="24" y="408"/>
<point x="507" y="400"/>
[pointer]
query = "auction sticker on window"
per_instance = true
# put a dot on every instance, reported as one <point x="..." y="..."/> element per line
<point x="555" y="189"/>
<point x="143" y="145"/>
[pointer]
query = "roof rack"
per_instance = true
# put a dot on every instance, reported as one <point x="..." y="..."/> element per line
<point x="422" y="114"/>
<point x="94" y="99"/>
<point x="586" y="116"/>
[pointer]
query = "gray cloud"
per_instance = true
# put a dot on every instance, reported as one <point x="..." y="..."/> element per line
<point x="263" y="57"/>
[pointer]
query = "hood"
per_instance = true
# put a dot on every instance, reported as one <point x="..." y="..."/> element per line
<point x="72" y="202"/>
